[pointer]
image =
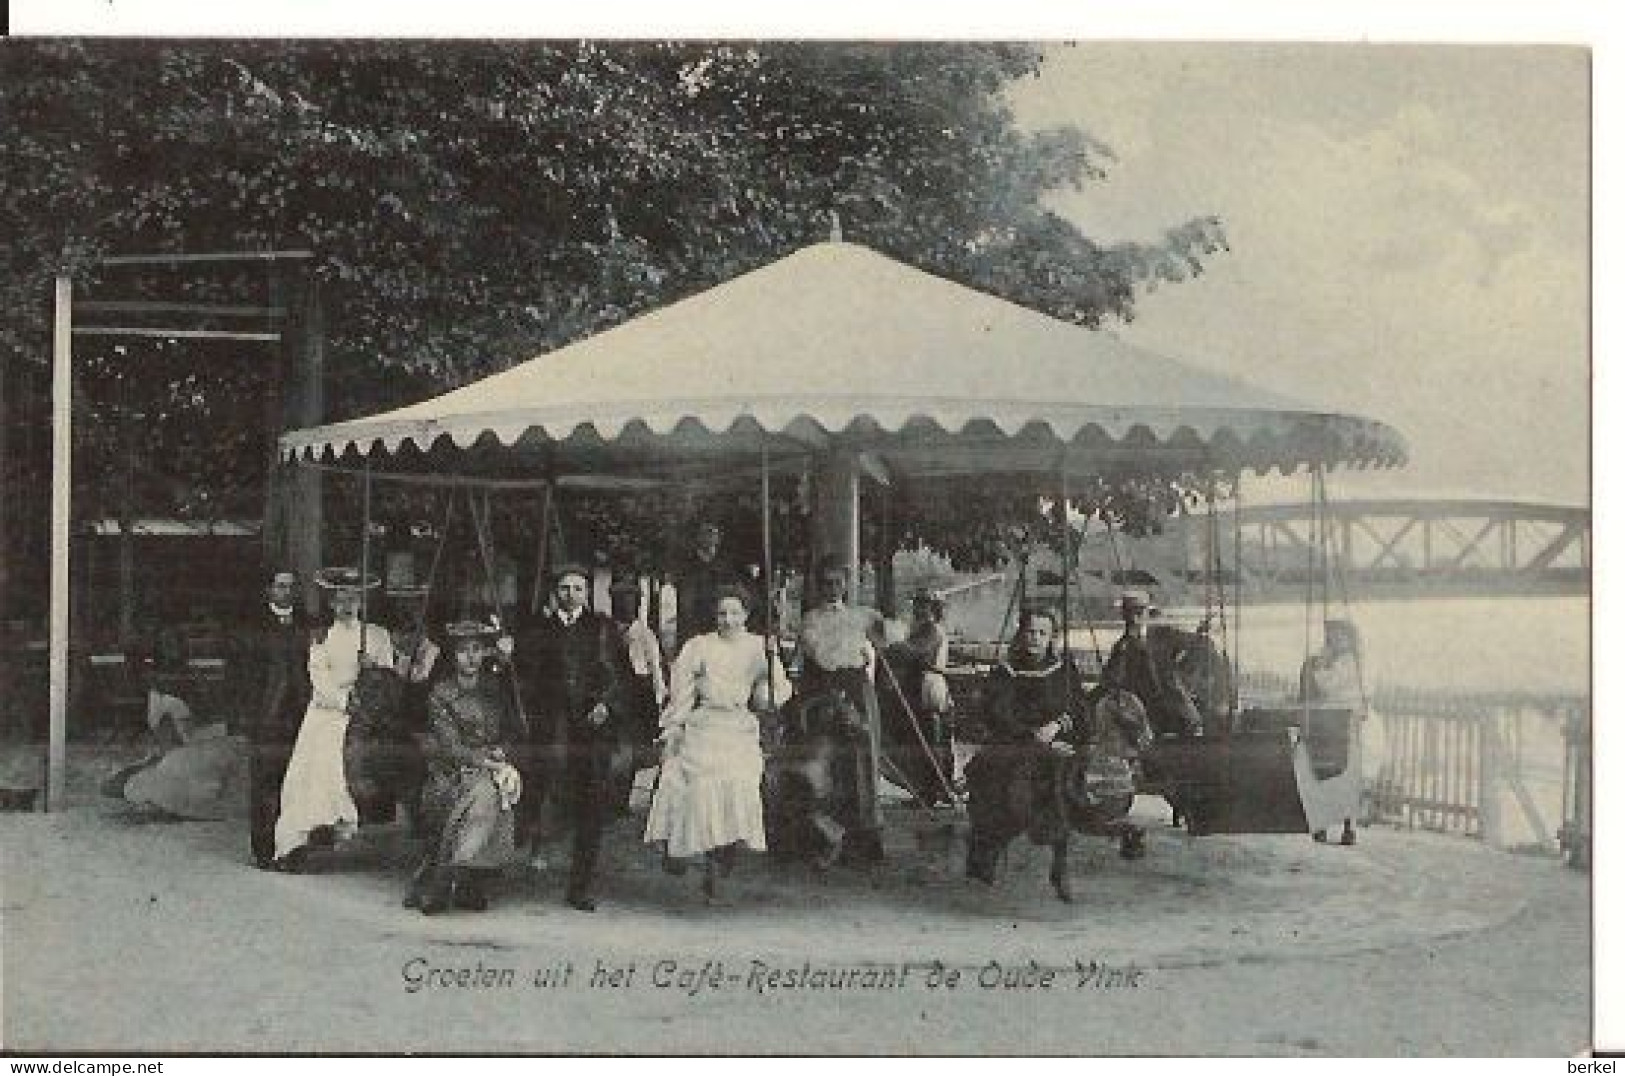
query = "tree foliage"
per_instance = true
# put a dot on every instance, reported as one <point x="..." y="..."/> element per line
<point x="472" y="204"/>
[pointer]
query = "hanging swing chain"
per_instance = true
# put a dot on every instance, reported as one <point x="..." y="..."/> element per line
<point x="366" y="545"/>
<point x="479" y="512"/>
<point x="1340" y="571"/>
<point x="1066" y="587"/>
<point x="1018" y="595"/>
<point x="1117" y="554"/>
<point x="919" y="729"/>
<point x="1210" y="558"/>
<point x="482" y="538"/>
<point x="539" y="583"/>
<point x="1309" y="587"/>
<point x="769" y="645"/>
<point x="421" y="628"/>
<point x="1216" y="582"/>
<point x="1089" y="621"/>
<point x="1235" y="548"/>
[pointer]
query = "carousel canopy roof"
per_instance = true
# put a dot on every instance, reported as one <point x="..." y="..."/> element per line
<point x="837" y="345"/>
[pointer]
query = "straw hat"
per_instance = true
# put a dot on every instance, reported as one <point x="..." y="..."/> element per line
<point x="344" y="579"/>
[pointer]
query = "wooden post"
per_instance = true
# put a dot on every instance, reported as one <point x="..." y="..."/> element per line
<point x="8" y="497"/>
<point x="1490" y="828"/>
<point x="1579" y="831"/>
<point x="61" y="515"/>
<point x="274" y="515"/>
<point x="126" y="524"/>
<point x="304" y="515"/>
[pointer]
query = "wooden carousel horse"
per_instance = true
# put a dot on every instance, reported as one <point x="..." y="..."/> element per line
<point x="1047" y="796"/>
<point x="383" y="761"/>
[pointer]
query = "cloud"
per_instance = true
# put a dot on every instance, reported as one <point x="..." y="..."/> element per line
<point x="1387" y="256"/>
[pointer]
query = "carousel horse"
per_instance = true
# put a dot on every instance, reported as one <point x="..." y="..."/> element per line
<point x="1196" y="697"/>
<point x="1090" y="791"/>
<point x="1196" y="692"/>
<point x="383" y="760"/>
<point x="811" y="774"/>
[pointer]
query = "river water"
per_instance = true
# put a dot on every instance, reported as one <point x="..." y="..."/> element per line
<point x="1538" y="644"/>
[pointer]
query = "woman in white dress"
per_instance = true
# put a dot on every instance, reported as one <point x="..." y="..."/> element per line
<point x="315" y="793"/>
<point x="709" y="797"/>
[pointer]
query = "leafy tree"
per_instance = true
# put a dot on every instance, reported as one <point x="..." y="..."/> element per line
<point x="471" y="204"/>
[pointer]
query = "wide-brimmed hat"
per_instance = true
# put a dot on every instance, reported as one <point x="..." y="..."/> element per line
<point x="344" y="579"/>
<point x="459" y="630"/>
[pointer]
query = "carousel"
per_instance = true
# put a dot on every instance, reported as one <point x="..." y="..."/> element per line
<point x="842" y="380"/>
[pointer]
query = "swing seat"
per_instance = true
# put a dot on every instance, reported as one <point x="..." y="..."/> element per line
<point x="1259" y="778"/>
<point x="1242" y="783"/>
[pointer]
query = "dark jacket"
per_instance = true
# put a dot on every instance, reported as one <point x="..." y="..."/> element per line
<point x="566" y="670"/>
<point x="271" y="677"/>
<point x="1022" y="696"/>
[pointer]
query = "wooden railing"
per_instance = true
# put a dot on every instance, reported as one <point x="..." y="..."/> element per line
<point x="1510" y="768"/>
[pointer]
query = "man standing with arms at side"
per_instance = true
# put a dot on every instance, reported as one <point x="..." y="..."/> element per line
<point x="569" y="670"/>
<point x="273" y="655"/>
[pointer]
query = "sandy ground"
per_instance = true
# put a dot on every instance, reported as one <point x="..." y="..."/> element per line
<point x="121" y="933"/>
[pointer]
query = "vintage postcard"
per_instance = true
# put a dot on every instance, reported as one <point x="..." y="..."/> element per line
<point x="762" y="545"/>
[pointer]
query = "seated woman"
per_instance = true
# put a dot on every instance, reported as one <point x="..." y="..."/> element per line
<point x="468" y="800"/>
<point x="316" y="799"/>
<point x="1331" y="681"/>
<point x="1332" y="676"/>
<point x="1030" y="700"/>
<point x="709" y="797"/>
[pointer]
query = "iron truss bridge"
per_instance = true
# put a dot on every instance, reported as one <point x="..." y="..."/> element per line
<point x="1389" y="548"/>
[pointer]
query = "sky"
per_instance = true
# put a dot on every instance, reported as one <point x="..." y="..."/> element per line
<point x="1408" y="229"/>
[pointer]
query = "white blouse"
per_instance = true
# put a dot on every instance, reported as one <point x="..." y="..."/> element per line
<point x="334" y="662"/>
<point x="717" y="673"/>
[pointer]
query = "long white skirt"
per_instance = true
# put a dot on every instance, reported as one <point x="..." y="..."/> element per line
<point x="710" y="790"/>
<point x="314" y="792"/>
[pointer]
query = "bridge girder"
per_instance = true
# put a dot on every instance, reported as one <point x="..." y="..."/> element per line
<point x="1488" y="546"/>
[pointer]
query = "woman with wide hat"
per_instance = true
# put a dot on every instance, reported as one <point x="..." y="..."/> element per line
<point x="474" y="736"/>
<point x="317" y="807"/>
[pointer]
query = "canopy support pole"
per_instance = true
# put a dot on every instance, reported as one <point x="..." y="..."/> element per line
<point x="768" y="638"/>
<point x="61" y="516"/>
<point x="366" y="550"/>
<point x="1066" y="584"/>
<point x="538" y="586"/>
<point x="835" y="520"/>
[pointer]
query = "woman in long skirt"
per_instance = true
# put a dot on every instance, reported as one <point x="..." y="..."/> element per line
<point x="472" y="787"/>
<point x="315" y="792"/>
<point x="709" y="797"/>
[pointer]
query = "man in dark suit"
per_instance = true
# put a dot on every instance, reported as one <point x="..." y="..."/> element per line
<point x="570" y="674"/>
<point x="697" y="579"/>
<point x="274" y="678"/>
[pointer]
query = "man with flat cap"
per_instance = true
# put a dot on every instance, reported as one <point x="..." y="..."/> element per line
<point x="569" y="671"/>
